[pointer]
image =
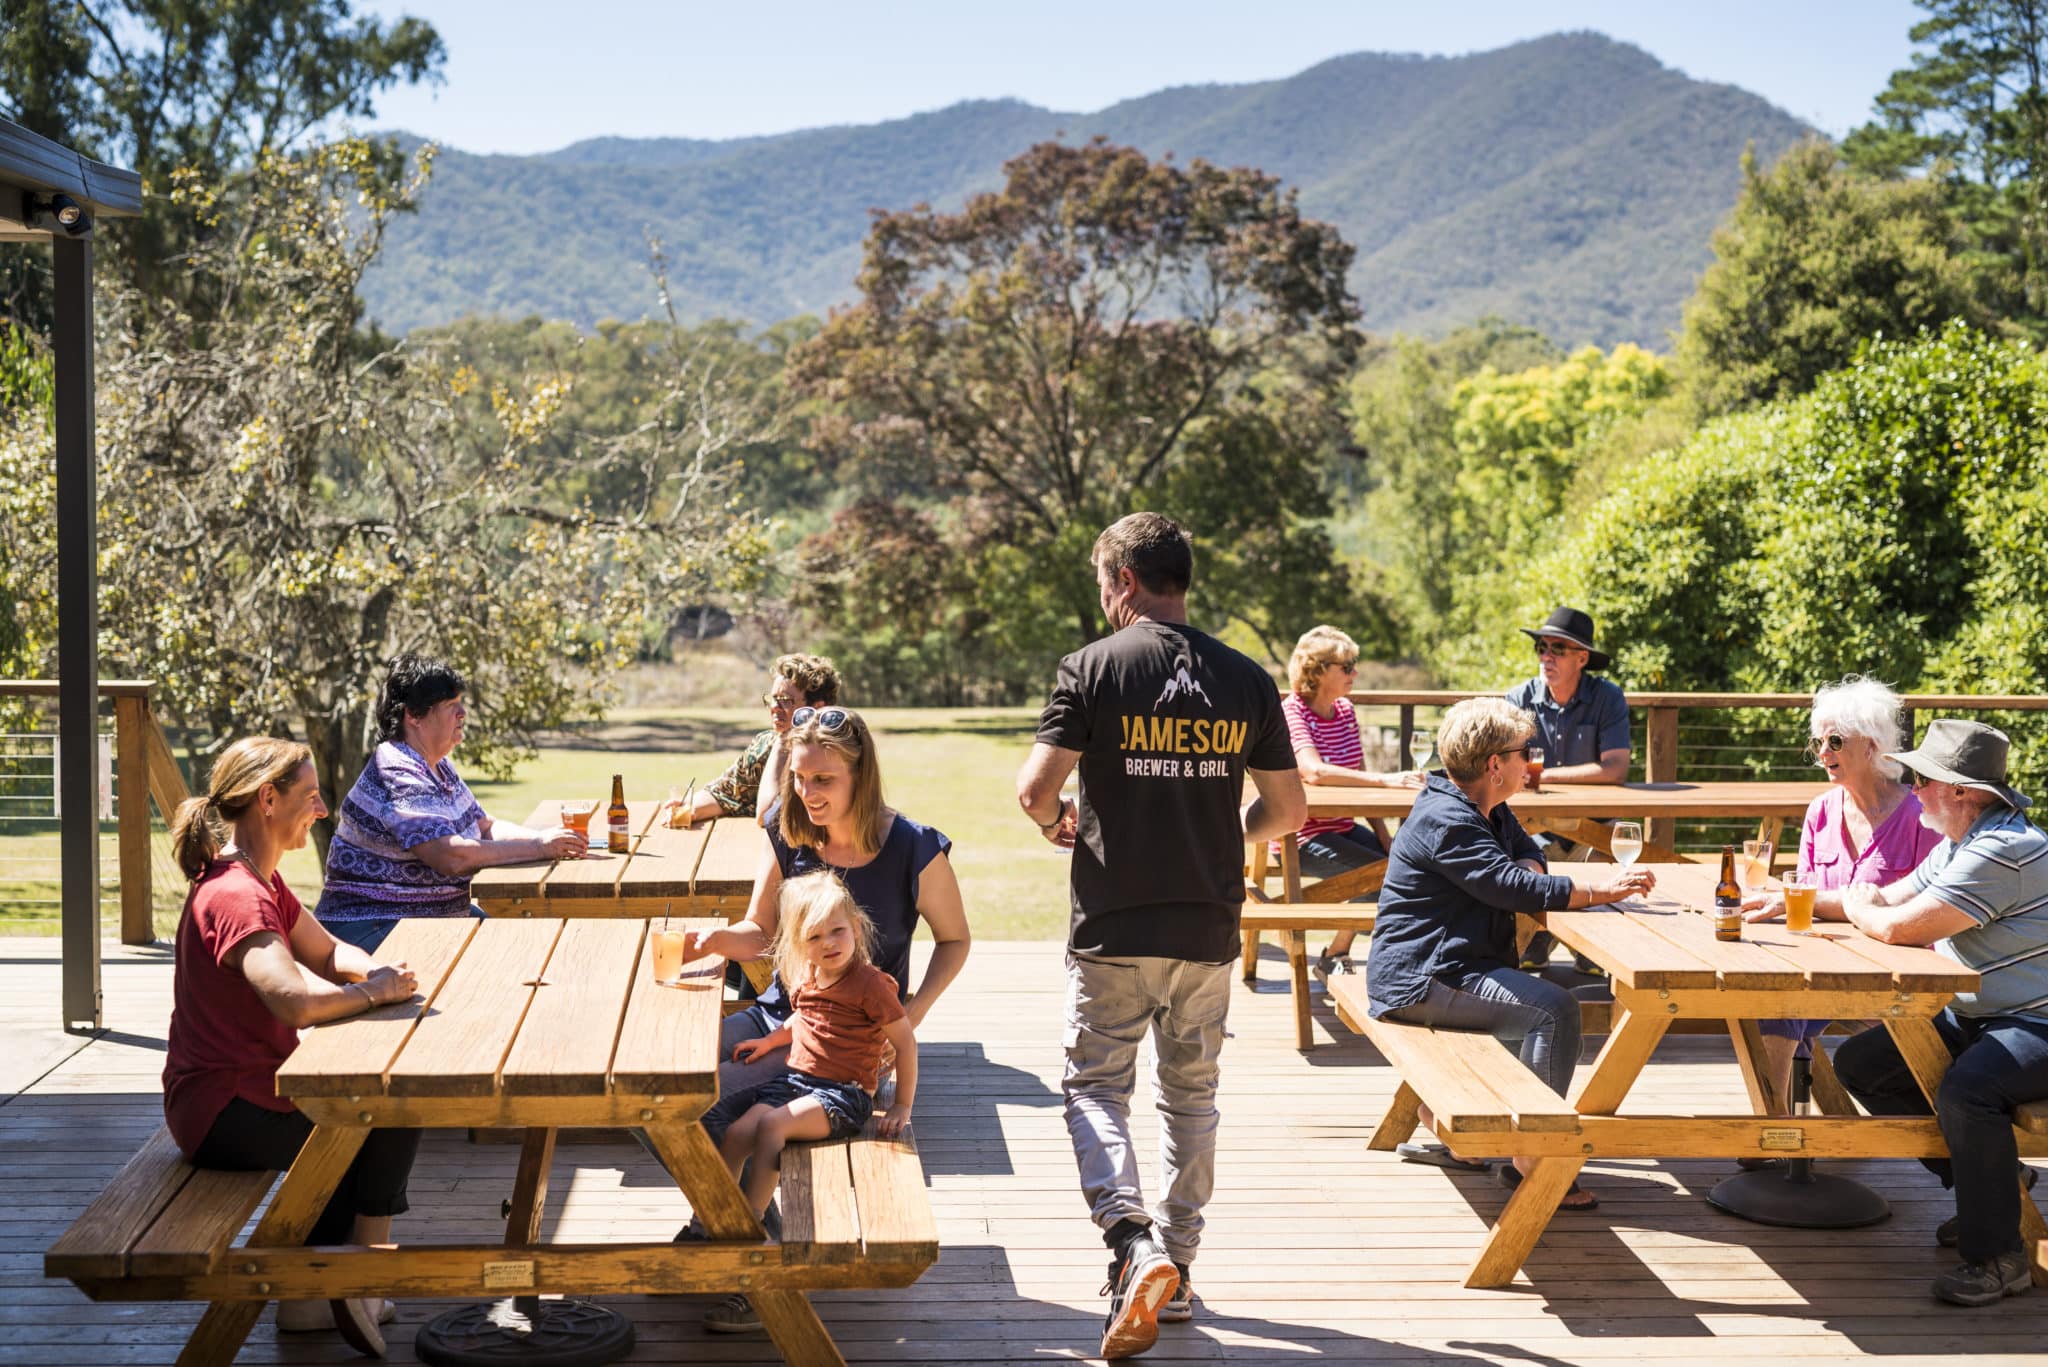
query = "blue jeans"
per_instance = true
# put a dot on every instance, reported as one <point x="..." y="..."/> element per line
<point x="369" y="936"/>
<point x="2000" y="1062"/>
<point x="1335" y="852"/>
<point x="1511" y="1006"/>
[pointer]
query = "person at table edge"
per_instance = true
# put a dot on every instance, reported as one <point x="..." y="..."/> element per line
<point x="1865" y="828"/>
<point x="1981" y="898"/>
<point x="250" y="971"/>
<point x="793" y="681"/>
<point x="410" y="832"/>
<point x="1443" y="947"/>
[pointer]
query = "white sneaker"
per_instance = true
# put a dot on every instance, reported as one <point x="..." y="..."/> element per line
<point x="1326" y="965"/>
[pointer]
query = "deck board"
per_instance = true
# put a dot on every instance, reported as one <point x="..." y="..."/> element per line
<point x="1315" y="1249"/>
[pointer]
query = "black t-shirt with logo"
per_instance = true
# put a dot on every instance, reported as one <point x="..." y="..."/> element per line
<point x="1167" y="720"/>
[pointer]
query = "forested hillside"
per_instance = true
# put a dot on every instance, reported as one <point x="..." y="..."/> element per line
<point x="1571" y="182"/>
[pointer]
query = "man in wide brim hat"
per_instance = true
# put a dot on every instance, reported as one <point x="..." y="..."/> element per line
<point x="1980" y="898"/>
<point x="1581" y="721"/>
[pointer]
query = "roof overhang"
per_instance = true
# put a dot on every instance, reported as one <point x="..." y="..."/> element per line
<point x="34" y="171"/>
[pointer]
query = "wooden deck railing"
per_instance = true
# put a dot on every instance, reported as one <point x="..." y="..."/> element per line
<point x="145" y="770"/>
<point x="1660" y="755"/>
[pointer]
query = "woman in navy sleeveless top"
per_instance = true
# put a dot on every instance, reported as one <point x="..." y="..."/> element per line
<point x="832" y="817"/>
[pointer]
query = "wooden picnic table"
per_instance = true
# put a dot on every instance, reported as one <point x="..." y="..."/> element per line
<point x="1666" y="966"/>
<point x="536" y="1024"/>
<point x="705" y="870"/>
<point x="1575" y="811"/>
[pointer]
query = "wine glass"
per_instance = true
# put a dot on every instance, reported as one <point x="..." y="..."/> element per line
<point x="1421" y="749"/>
<point x="1756" y="865"/>
<point x="1627" y="842"/>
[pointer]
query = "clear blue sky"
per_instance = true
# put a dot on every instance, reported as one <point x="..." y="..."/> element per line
<point x="528" y="76"/>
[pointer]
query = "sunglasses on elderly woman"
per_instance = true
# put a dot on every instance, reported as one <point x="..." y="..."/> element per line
<point x="1832" y="743"/>
<point x="829" y="718"/>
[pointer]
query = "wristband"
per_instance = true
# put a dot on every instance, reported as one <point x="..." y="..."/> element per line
<point x="1042" y="829"/>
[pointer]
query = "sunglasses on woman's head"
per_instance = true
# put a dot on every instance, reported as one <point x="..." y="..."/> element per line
<point x="829" y="718"/>
<point x="1832" y="743"/>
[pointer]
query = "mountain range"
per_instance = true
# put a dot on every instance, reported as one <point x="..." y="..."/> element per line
<point x="1570" y="182"/>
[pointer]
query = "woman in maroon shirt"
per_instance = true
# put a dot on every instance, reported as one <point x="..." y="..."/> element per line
<point x="252" y="970"/>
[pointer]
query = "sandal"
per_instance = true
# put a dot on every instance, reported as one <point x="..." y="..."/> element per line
<point x="1509" y="1176"/>
<point x="1437" y="1156"/>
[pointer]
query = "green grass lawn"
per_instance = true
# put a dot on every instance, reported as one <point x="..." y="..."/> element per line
<point x="951" y="769"/>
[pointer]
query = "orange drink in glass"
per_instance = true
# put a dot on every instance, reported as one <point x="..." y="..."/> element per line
<point x="668" y="955"/>
<point x="1799" y="893"/>
<point x="576" y="816"/>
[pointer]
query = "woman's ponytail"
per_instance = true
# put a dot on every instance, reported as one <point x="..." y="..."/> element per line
<point x="195" y="840"/>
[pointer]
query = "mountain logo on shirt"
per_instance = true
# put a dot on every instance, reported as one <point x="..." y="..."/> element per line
<point x="1182" y="684"/>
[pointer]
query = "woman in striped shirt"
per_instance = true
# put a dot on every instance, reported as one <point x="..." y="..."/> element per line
<point x="1327" y="747"/>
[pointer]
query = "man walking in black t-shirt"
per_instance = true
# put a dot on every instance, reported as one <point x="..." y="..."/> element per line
<point x="1164" y="722"/>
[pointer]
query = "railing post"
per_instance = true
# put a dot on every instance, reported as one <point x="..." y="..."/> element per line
<point x="1660" y="765"/>
<point x="131" y="792"/>
<point x="1407" y="734"/>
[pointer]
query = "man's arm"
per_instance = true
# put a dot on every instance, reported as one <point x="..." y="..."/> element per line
<point x="1899" y="916"/>
<point x="1280" y="808"/>
<point x="1045" y="771"/>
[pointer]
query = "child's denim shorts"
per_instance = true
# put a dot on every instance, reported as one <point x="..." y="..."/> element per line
<point x="847" y="1104"/>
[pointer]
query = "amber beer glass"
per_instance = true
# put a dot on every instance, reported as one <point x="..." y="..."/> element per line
<point x="576" y="817"/>
<point x="1799" y="893"/>
<point x="1536" y="767"/>
<point x="1727" y="899"/>
<point x="618" y="822"/>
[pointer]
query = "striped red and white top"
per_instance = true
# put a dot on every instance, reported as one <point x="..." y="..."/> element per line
<point x="1336" y="742"/>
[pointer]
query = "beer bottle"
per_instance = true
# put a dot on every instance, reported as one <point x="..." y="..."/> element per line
<point x="1727" y="899"/>
<point x="620" y="835"/>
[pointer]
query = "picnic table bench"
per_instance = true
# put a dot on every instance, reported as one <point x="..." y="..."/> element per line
<point x="1666" y="968"/>
<point x="530" y="1023"/>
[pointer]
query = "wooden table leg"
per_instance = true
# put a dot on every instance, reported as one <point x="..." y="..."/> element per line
<point x="294" y="1209"/>
<point x="1828" y="1093"/>
<point x="1764" y="1098"/>
<point x="1528" y="1212"/>
<point x="1295" y="943"/>
<point x="788" y="1316"/>
<point x="1920" y="1044"/>
<point x="530" y="1188"/>
<point x="1255" y="862"/>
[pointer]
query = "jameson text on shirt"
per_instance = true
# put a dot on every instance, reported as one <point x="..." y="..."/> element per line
<point x="1158" y="738"/>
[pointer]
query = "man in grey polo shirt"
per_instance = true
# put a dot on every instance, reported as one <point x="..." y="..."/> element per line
<point x="1981" y="898"/>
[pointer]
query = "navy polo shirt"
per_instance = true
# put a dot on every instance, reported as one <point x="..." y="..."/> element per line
<point x="1576" y="732"/>
<point x="1447" y="909"/>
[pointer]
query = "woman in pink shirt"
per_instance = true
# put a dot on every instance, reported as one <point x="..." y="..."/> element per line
<point x="1329" y="750"/>
<point x="1865" y="828"/>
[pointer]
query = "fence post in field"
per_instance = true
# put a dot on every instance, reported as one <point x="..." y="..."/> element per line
<point x="132" y="721"/>
<point x="1660" y="765"/>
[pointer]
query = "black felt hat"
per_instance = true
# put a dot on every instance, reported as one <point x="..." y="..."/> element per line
<point x="1574" y="626"/>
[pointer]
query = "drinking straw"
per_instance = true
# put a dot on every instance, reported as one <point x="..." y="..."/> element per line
<point x="666" y="907"/>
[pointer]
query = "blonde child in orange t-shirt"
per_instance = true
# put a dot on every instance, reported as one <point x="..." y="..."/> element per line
<point x="845" y="1011"/>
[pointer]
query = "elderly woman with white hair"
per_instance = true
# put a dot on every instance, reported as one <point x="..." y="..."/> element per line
<point x="1865" y="828"/>
<point x="1323" y="729"/>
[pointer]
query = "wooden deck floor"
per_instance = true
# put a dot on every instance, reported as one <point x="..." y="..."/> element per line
<point x="1316" y="1250"/>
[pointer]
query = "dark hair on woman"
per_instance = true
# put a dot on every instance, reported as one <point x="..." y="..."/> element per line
<point x="414" y="685"/>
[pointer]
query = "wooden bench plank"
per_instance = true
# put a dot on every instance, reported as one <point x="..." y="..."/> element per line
<point x="1269" y="916"/>
<point x="97" y="1243"/>
<point x="1469" y="1081"/>
<point x="2032" y="1117"/>
<point x="195" y="1229"/>
<point x="332" y="1061"/>
<point x="460" y="1044"/>
<point x="565" y="1044"/>
<point x="820" y="1217"/>
<point x="664" y="1026"/>
<point x="896" y="1223"/>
